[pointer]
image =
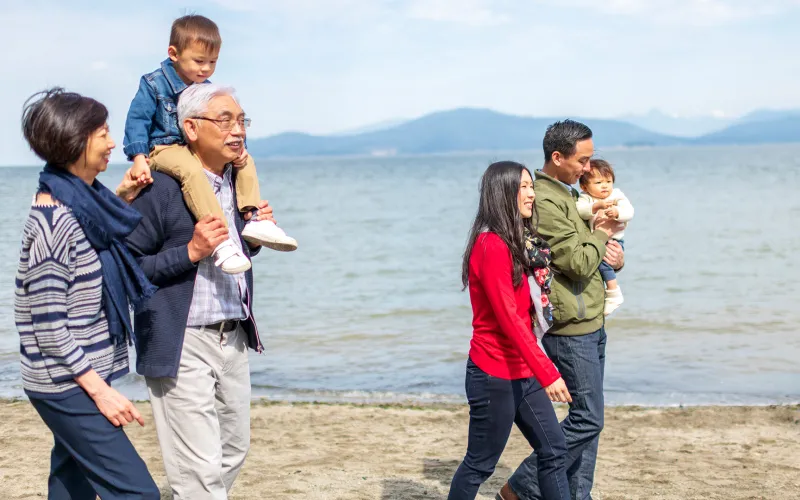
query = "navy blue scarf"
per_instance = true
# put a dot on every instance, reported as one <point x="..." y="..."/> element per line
<point x="107" y="221"/>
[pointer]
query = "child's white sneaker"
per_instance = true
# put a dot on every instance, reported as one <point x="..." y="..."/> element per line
<point x="613" y="301"/>
<point x="266" y="233"/>
<point x="230" y="259"/>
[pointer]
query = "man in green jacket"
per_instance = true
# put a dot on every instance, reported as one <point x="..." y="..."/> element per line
<point x="577" y="341"/>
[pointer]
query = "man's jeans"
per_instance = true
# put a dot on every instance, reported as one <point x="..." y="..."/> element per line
<point x="581" y="361"/>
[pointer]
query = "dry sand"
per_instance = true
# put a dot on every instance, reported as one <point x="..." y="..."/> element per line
<point x="320" y="451"/>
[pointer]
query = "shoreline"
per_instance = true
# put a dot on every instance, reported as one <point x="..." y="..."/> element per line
<point x="408" y="451"/>
<point x="447" y="403"/>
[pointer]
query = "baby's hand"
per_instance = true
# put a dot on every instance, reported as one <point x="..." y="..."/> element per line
<point x="241" y="161"/>
<point x="612" y="213"/>
<point x="603" y="205"/>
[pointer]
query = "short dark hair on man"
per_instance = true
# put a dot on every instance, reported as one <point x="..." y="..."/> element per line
<point x="562" y="137"/>
<point x="189" y="29"/>
<point x="57" y="124"/>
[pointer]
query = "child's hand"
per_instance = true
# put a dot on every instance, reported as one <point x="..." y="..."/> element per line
<point x="612" y="213"/>
<point x="602" y="205"/>
<point x="141" y="168"/>
<point x="241" y="161"/>
<point x="131" y="185"/>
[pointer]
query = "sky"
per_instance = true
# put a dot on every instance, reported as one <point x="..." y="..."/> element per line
<point x="324" y="66"/>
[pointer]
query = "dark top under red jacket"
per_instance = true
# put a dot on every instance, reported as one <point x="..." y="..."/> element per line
<point x="503" y="344"/>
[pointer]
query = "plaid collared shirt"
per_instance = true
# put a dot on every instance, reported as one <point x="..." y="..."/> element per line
<point x="219" y="296"/>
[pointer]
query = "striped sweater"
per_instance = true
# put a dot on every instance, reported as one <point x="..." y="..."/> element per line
<point x="58" y="307"/>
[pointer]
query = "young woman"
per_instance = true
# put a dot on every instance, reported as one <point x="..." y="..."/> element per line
<point x="74" y="284"/>
<point x="509" y="379"/>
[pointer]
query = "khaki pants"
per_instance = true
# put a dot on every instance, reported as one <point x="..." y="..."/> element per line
<point x="202" y="416"/>
<point x="181" y="164"/>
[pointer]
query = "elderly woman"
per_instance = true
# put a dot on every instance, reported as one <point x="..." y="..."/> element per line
<point x="74" y="285"/>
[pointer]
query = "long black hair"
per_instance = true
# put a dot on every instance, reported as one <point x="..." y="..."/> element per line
<point x="498" y="212"/>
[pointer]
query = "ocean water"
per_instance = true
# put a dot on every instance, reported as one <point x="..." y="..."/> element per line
<point x="370" y="307"/>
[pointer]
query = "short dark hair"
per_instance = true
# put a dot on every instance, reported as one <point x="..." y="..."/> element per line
<point x="597" y="167"/>
<point x="57" y="124"/>
<point x="189" y="29"/>
<point x="562" y="137"/>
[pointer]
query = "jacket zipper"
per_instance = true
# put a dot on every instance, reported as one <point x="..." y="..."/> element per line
<point x="579" y="299"/>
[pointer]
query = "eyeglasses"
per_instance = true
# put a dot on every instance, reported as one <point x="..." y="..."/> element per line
<point x="226" y="124"/>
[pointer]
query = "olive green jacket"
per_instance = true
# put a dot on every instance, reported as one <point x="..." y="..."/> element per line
<point x="577" y="291"/>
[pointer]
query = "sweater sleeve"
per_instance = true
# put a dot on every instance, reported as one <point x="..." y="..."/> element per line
<point x="46" y="285"/>
<point x="574" y="255"/>
<point x="497" y="282"/>
<point x="584" y="205"/>
<point x="624" y="207"/>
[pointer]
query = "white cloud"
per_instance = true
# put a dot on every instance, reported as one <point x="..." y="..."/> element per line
<point x="467" y="12"/>
<point x="463" y="12"/>
<point x="343" y="11"/>
<point x="691" y="12"/>
<point x="328" y="65"/>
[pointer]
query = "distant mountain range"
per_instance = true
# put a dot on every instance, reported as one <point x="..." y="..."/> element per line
<point x="470" y="129"/>
<point x="679" y="126"/>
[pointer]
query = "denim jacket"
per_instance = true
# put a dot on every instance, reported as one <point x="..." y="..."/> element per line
<point x="153" y="115"/>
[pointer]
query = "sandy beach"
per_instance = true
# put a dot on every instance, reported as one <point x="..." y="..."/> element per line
<point x="324" y="451"/>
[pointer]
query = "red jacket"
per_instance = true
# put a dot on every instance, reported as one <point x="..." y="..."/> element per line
<point x="503" y="344"/>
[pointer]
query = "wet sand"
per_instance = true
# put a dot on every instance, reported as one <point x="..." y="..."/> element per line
<point x="351" y="452"/>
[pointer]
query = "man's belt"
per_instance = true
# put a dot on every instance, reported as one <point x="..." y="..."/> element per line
<point x="224" y="326"/>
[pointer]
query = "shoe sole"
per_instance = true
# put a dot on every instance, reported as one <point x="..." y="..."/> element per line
<point x="237" y="270"/>
<point x="280" y="246"/>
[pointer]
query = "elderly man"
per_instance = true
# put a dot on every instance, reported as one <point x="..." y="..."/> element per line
<point x="577" y="341"/>
<point x="192" y="336"/>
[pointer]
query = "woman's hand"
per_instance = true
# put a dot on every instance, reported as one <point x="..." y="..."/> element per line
<point x="132" y="184"/>
<point x="113" y="405"/>
<point x="116" y="407"/>
<point x="557" y="392"/>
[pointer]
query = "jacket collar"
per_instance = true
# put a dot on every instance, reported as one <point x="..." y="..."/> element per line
<point x="539" y="175"/>
<point x="171" y="73"/>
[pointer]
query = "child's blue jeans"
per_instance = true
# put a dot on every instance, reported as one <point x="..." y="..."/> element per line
<point x="606" y="271"/>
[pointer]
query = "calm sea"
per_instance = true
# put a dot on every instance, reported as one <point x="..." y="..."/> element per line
<point x="370" y="307"/>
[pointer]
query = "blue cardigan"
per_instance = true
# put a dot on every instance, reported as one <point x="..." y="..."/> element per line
<point x="160" y="245"/>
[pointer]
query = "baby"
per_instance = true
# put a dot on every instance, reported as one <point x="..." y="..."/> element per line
<point x="600" y="195"/>
<point x="153" y="138"/>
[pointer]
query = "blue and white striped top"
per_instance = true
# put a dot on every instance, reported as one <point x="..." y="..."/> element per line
<point x="58" y="307"/>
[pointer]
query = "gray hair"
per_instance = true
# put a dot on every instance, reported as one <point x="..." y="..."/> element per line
<point x="194" y="100"/>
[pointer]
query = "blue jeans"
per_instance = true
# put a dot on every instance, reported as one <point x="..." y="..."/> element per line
<point x="496" y="404"/>
<point x="581" y="361"/>
<point x="91" y="457"/>
<point x="607" y="272"/>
